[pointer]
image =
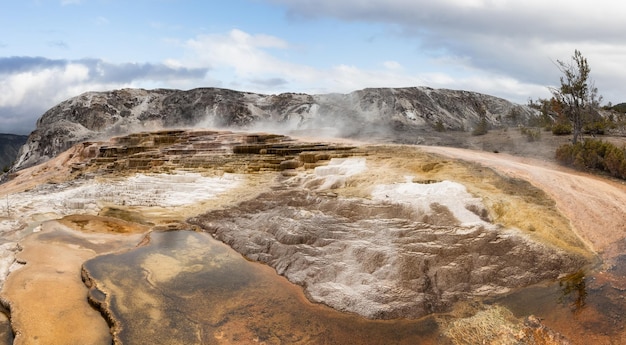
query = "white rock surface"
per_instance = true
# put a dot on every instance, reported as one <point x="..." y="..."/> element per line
<point x="450" y="194"/>
<point x="50" y="201"/>
<point x="409" y="250"/>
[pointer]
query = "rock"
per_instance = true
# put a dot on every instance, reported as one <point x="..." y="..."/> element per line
<point x="365" y="113"/>
<point x="384" y="232"/>
<point x="497" y="325"/>
<point x="380" y="260"/>
<point x="9" y="146"/>
<point x="8" y="262"/>
<point x="535" y="332"/>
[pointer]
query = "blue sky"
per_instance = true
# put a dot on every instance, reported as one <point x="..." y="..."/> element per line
<point x="51" y="50"/>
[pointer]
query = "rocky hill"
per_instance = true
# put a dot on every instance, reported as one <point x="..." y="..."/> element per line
<point x="382" y="112"/>
<point x="9" y="146"/>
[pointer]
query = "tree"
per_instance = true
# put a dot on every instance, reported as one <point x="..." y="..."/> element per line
<point x="577" y="96"/>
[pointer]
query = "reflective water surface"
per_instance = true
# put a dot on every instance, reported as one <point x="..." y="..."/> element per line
<point x="185" y="287"/>
<point x="585" y="308"/>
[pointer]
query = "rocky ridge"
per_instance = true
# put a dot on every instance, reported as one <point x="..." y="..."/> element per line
<point x="383" y="112"/>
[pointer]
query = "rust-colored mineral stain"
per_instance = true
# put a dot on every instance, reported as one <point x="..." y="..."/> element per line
<point x="587" y="308"/>
<point x="186" y="288"/>
<point x="99" y="224"/>
<point x="47" y="297"/>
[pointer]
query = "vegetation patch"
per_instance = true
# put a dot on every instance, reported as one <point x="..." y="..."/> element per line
<point x="481" y="128"/>
<point x="495" y="325"/>
<point x="532" y="134"/>
<point x="594" y="155"/>
<point x="561" y="128"/>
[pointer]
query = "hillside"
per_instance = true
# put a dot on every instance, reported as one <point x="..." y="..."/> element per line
<point x="395" y="114"/>
<point x="9" y="147"/>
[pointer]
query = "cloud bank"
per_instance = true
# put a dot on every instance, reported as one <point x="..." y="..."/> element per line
<point x="507" y="38"/>
<point x="31" y="85"/>
<point x="500" y="47"/>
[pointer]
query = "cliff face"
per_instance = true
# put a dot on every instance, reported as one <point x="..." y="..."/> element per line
<point x="9" y="146"/>
<point x="363" y="113"/>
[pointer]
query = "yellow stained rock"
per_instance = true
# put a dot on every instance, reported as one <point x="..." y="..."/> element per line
<point x="47" y="297"/>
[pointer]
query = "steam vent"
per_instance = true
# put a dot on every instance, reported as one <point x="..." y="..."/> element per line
<point x="219" y="237"/>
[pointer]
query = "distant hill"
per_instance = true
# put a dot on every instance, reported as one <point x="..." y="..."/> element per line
<point x="621" y="107"/>
<point x="378" y="112"/>
<point x="9" y="146"/>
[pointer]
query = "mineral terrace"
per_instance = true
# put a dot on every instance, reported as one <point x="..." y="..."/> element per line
<point x="385" y="232"/>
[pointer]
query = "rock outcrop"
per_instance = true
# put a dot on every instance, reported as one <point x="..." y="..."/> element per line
<point x="364" y="113"/>
<point x="9" y="146"/>
<point x="381" y="260"/>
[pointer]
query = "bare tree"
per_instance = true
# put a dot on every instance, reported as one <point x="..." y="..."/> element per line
<point x="577" y="94"/>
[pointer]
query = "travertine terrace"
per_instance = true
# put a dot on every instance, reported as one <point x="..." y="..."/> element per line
<point x="384" y="232"/>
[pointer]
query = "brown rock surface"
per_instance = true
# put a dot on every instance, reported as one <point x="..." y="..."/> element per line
<point x="387" y="259"/>
<point x="326" y="226"/>
<point x="47" y="298"/>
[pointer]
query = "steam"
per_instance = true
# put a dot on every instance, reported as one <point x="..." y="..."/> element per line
<point x="367" y="115"/>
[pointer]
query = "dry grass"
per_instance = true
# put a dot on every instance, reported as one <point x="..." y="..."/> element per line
<point x="495" y="325"/>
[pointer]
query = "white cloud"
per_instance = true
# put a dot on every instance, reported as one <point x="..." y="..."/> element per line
<point x="257" y="63"/>
<point x="42" y="85"/>
<point x="30" y="86"/>
<point x="517" y="39"/>
<point x="347" y="78"/>
<point x="242" y="60"/>
<point x="26" y="95"/>
<point x="497" y="17"/>
<point x="244" y="52"/>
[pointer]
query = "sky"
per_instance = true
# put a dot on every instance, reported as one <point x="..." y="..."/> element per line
<point x="52" y="50"/>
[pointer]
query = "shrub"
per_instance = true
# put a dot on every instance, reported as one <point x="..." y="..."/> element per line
<point x="532" y="134"/>
<point x="482" y="128"/>
<point x="615" y="162"/>
<point x="514" y="114"/>
<point x="594" y="155"/>
<point x="564" y="154"/>
<point x="561" y="128"/>
<point x="596" y="127"/>
<point x="439" y="126"/>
